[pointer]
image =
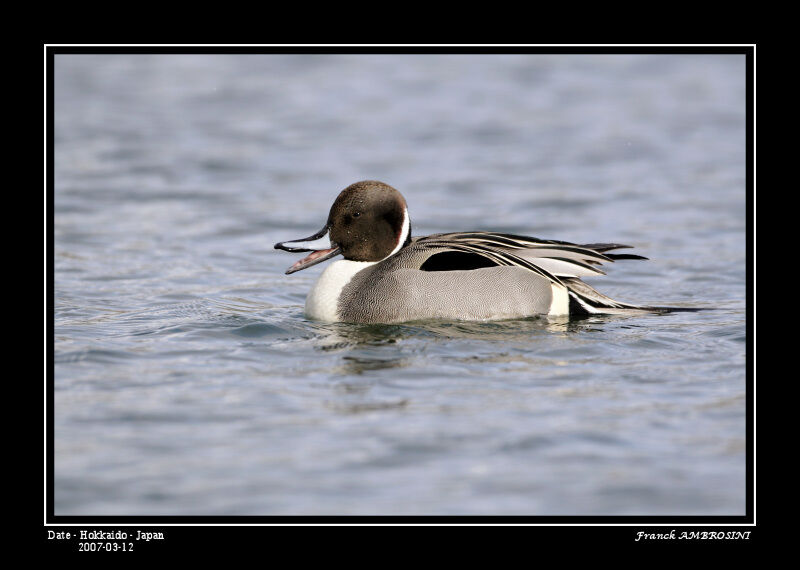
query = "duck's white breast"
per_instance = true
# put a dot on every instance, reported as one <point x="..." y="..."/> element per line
<point x="323" y="299"/>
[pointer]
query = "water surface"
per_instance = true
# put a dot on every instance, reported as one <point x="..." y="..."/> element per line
<point x="188" y="381"/>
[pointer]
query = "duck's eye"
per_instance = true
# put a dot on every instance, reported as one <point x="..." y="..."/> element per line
<point x="356" y="214"/>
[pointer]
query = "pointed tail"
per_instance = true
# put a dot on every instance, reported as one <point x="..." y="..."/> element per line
<point x="585" y="300"/>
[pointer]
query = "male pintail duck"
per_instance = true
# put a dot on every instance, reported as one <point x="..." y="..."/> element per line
<point x="387" y="276"/>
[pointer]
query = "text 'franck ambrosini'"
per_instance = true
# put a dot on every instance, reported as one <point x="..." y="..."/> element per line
<point x="694" y="535"/>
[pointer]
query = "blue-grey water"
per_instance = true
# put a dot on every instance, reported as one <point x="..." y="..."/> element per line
<point x="187" y="380"/>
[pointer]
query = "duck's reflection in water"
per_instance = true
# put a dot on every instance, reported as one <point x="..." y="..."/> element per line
<point x="365" y="346"/>
<point x="334" y="336"/>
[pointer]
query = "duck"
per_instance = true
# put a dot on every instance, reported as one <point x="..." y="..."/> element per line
<point x="387" y="276"/>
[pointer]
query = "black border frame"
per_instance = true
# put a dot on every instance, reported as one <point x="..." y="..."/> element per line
<point x="625" y="525"/>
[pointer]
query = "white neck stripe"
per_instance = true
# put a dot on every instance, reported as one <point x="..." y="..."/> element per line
<point x="403" y="233"/>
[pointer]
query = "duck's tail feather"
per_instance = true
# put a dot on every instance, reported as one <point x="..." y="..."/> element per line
<point x="604" y="247"/>
<point x="585" y="300"/>
<point x="616" y="256"/>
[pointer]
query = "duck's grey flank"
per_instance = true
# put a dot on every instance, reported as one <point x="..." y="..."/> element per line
<point x="396" y="292"/>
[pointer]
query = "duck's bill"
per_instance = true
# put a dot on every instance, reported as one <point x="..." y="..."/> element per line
<point x="313" y="259"/>
<point x="319" y="245"/>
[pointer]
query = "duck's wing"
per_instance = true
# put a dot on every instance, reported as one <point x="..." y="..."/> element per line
<point x="559" y="258"/>
<point x="440" y="253"/>
<point x="562" y="263"/>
